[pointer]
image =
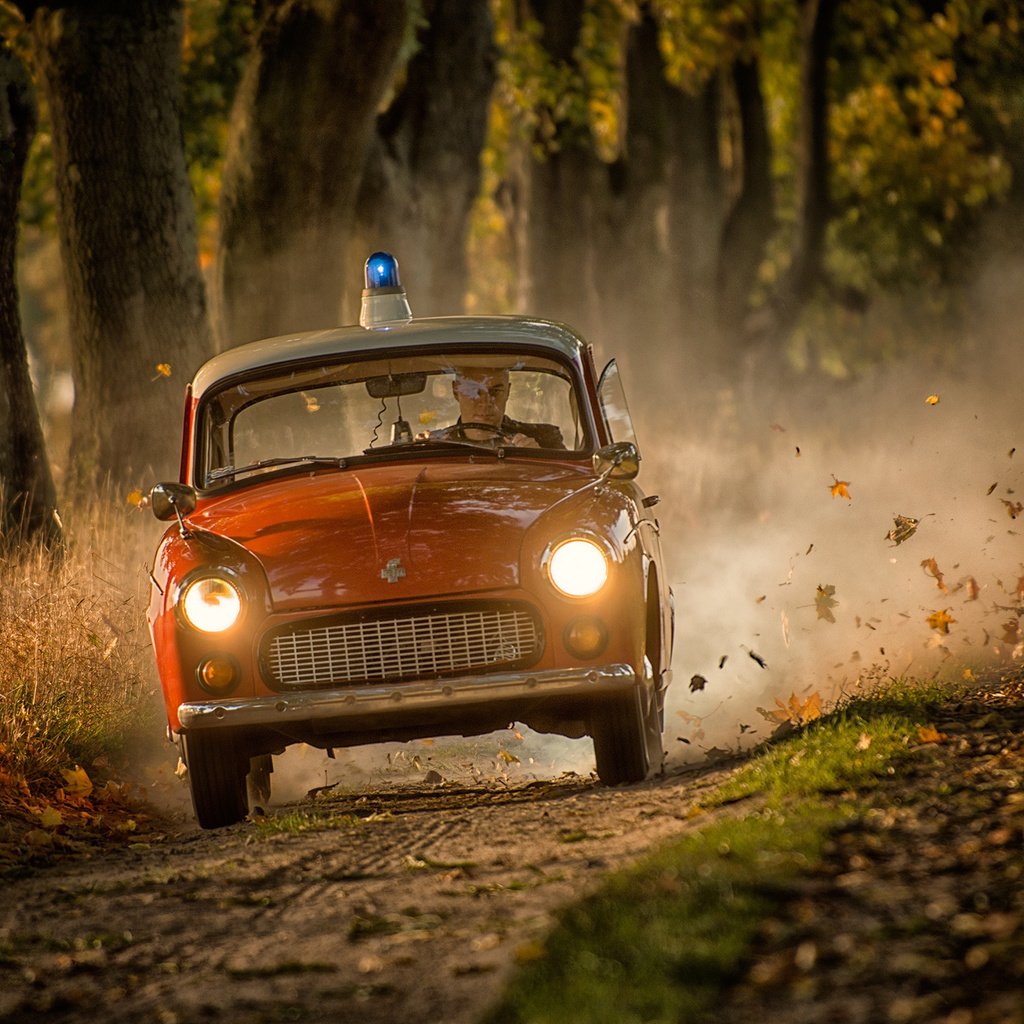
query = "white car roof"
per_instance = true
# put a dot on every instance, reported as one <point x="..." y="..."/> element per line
<point x="449" y="332"/>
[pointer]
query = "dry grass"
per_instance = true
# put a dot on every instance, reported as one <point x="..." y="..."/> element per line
<point x="76" y="667"/>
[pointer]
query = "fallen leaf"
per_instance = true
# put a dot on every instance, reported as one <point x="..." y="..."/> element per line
<point x="864" y="741"/>
<point x="840" y="488"/>
<point x="940" y="620"/>
<point x="697" y="682"/>
<point x="77" y="781"/>
<point x="903" y="528"/>
<point x="50" y="817"/>
<point x="508" y="758"/>
<point x="824" y="602"/>
<point x="929" y="734"/>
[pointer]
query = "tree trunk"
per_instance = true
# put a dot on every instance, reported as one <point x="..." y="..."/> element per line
<point x="750" y="222"/>
<point x="812" y="190"/>
<point x="137" y="305"/>
<point x="423" y="174"/>
<point x="563" y="192"/>
<point x="301" y="127"/>
<point x="27" y="496"/>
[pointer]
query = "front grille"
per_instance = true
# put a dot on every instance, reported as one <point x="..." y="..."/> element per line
<point x="420" y="643"/>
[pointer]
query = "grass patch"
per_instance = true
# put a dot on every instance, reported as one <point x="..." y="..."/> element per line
<point x="77" y="681"/>
<point x="657" y="942"/>
<point x="299" y="821"/>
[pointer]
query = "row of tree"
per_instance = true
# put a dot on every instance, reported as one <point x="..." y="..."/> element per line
<point x="683" y="178"/>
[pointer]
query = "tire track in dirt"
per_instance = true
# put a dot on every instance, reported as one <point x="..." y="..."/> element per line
<point x="415" y="904"/>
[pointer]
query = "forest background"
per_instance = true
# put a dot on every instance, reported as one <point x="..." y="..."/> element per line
<point x="797" y="223"/>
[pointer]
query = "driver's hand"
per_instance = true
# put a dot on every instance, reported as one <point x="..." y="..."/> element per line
<point x="524" y="441"/>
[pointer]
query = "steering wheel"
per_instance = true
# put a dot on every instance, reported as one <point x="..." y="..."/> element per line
<point x="461" y="428"/>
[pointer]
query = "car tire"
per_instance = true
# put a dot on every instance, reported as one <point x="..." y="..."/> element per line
<point x="216" y="774"/>
<point x="258" y="780"/>
<point x="620" y="732"/>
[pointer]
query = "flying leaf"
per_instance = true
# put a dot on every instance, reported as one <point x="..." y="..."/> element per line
<point x="1013" y="508"/>
<point x="162" y="370"/>
<point x="134" y="498"/>
<point x="840" y="488"/>
<point x="697" y="683"/>
<point x="757" y="657"/>
<point x="824" y="602"/>
<point x="992" y="488"/>
<point x="312" y="403"/>
<point x="932" y="400"/>
<point x="972" y="588"/>
<point x="903" y="528"/>
<point x="1011" y="631"/>
<point x="940" y="620"/>
<point x="931" y="568"/>
<point x="427" y="417"/>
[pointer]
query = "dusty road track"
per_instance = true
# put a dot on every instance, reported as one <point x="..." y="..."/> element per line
<point x="414" y="908"/>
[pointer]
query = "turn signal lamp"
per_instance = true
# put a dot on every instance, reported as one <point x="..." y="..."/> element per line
<point x="218" y="674"/>
<point x="384" y="299"/>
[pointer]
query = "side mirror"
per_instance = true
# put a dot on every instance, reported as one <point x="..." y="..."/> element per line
<point x="172" y="501"/>
<point x="617" y="461"/>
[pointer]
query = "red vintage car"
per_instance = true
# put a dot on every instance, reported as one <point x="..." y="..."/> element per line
<point x="406" y="528"/>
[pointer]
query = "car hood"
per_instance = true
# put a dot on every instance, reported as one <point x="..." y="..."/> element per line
<point x="390" y="533"/>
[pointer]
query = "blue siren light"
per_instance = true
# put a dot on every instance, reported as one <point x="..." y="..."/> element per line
<point x="382" y="271"/>
<point x="384" y="301"/>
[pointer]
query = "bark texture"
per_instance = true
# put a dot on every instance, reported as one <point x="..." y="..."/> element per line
<point x="423" y="173"/>
<point x="127" y="229"/>
<point x="301" y="128"/>
<point x="27" y="497"/>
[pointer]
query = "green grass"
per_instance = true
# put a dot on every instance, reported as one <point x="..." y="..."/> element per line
<point x="657" y="942"/>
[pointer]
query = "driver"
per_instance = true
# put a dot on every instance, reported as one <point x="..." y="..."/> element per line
<point x="482" y="394"/>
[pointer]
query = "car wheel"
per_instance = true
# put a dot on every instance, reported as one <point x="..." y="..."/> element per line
<point x="216" y="774"/>
<point x="258" y="779"/>
<point x="619" y="729"/>
<point x="654" y="721"/>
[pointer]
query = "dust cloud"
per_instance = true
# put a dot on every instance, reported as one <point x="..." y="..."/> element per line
<point x="752" y="530"/>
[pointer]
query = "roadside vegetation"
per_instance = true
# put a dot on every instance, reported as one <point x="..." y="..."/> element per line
<point x="77" y="684"/>
<point x="678" y="925"/>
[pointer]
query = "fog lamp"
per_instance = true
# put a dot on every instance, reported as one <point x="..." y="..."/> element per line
<point x="218" y="674"/>
<point x="585" y="637"/>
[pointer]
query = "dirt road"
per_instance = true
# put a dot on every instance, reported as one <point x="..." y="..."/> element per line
<point x="414" y="906"/>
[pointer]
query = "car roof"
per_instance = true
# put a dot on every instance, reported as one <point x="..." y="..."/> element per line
<point x="449" y="332"/>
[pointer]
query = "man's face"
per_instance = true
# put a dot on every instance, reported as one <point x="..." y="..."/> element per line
<point x="482" y="395"/>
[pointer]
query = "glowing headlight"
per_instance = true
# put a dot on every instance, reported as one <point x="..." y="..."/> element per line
<point x="578" y="568"/>
<point x="211" y="604"/>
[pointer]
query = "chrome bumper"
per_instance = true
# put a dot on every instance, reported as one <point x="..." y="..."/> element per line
<point x="449" y="694"/>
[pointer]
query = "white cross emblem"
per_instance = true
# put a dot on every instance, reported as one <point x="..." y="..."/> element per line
<point x="393" y="571"/>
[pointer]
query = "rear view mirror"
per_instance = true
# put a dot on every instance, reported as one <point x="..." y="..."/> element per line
<point x="395" y="385"/>
<point x="617" y="461"/>
<point x="172" y="501"/>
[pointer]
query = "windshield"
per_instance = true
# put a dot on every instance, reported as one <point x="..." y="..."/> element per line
<point x="303" y="416"/>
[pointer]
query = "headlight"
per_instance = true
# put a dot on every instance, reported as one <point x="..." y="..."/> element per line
<point x="211" y="604"/>
<point x="578" y="568"/>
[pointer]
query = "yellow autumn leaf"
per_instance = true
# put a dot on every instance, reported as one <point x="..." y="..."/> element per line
<point x="824" y="602"/>
<point x="932" y="400"/>
<point x="76" y="781"/>
<point x="940" y="620"/>
<point x="840" y="488"/>
<point x="51" y="818"/>
<point x="932" y="569"/>
<point x="929" y="734"/>
<point x="427" y="417"/>
<point x="134" y="498"/>
<point x="163" y="370"/>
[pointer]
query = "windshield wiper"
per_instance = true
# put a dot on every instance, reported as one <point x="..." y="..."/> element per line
<point x="432" y="445"/>
<point x="291" y="460"/>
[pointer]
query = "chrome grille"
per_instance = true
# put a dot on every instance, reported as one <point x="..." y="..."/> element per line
<point x="435" y="643"/>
